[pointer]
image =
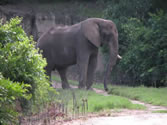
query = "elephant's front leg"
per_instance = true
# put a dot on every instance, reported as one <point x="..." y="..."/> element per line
<point x="91" y="70"/>
<point x="63" y="77"/>
<point x="83" y="66"/>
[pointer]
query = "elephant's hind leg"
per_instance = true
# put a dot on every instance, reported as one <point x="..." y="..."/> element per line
<point x="63" y="77"/>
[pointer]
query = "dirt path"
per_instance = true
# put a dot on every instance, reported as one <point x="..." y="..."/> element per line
<point x="142" y="119"/>
<point x="125" y="116"/>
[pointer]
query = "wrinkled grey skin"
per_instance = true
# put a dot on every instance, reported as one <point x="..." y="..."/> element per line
<point x="78" y="44"/>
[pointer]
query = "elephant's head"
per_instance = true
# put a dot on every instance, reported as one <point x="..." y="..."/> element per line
<point x="99" y="32"/>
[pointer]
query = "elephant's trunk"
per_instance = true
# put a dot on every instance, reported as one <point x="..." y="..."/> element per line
<point x="113" y="47"/>
<point x="106" y="74"/>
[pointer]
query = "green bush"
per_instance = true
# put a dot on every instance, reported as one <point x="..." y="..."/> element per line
<point x="19" y="59"/>
<point x="21" y="65"/>
<point x="141" y="42"/>
<point x="146" y="58"/>
<point x="120" y="11"/>
<point x="9" y="93"/>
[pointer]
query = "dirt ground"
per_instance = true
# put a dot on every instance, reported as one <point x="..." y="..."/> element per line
<point x="138" y="119"/>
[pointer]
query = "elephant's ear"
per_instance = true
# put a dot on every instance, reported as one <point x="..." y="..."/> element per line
<point x="91" y="31"/>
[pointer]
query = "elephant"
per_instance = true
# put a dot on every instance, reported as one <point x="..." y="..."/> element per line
<point x="78" y="44"/>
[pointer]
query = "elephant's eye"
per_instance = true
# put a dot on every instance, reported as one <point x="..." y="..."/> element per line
<point x="106" y="37"/>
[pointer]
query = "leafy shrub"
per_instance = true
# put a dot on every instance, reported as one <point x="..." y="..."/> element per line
<point x="19" y="59"/>
<point x="21" y="65"/>
<point x="9" y="92"/>
<point x="146" y="57"/>
<point x="121" y="11"/>
<point x="142" y="41"/>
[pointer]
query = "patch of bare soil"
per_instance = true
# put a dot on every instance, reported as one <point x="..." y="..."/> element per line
<point x="141" y="119"/>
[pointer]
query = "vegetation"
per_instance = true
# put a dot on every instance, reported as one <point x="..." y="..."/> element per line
<point x="96" y="102"/>
<point x="155" y="96"/>
<point x="142" y="27"/>
<point x="9" y="93"/>
<point x="160" y="111"/>
<point x="73" y="82"/>
<point x="20" y="60"/>
<point x="110" y="102"/>
<point x="22" y="71"/>
<point x="142" y="37"/>
<point x="146" y="59"/>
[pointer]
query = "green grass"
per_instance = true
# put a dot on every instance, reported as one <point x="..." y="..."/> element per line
<point x="96" y="102"/>
<point x="155" y="96"/>
<point x="56" y="78"/>
<point x="160" y="111"/>
<point x="72" y="82"/>
<point x="99" y="102"/>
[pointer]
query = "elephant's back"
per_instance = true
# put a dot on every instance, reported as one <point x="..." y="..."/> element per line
<point x="59" y="44"/>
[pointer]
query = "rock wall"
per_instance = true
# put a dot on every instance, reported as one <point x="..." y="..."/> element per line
<point x="28" y="22"/>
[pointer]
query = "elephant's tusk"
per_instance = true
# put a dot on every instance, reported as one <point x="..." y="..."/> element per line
<point x="119" y="57"/>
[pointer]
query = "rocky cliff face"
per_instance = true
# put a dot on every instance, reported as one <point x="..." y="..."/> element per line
<point x="29" y="19"/>
<point x="38" y="18"/>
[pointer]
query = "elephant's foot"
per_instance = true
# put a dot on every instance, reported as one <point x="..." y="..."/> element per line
<point x="106" y="89"/>
<point x="89" y="88"/>
<point x="81" y="87"/>
<point x="66" y="86"/>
